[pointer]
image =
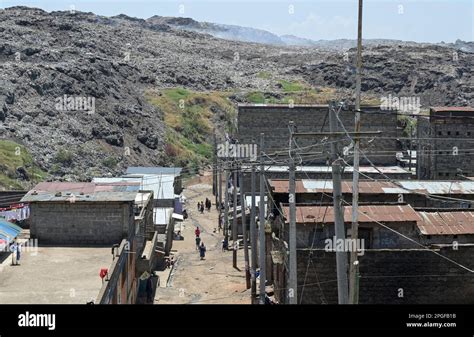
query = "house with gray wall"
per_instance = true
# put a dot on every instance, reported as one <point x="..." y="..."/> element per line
<point x="446" y="143"/>
<point x="273" y="121"/>
<point x="87" y="213"/>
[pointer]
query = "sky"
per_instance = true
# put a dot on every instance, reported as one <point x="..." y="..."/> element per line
<point x="409" y="20"/>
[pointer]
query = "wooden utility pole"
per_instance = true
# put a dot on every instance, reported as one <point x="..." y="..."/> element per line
<point x="244" y="230"/>
<point x="354" y="265"/>
<point x="341" y="256"/>
<point x="235" y="243"/>
<point x="261" y="225"/>
<point x="226" y="206"/>
<point x="253" y="238"/>
<point x="292" y="282"/>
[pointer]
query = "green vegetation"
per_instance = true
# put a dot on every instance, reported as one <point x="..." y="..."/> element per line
<point x="264" y="75"/>
<point x="255" y="97"/>
<point x="189" y="117"/>
<point x="110" y="162"/>
<point x="288" y="86"/>
<point x="12" y="157"/>
<point x="409" y="125"/>
<point x="63" y="157"/>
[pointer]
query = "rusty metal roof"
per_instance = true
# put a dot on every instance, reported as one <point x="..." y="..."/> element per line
<point x="452" y="108"/>
<point x="84" y="191"/>
<point x="378" y="187"/>
<point x="372" y="213"/>
<point x="447" y="223"/>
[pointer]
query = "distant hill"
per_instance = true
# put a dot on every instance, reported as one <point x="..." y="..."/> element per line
<point x="160" y="89"/>
<point x="247" y="34"/>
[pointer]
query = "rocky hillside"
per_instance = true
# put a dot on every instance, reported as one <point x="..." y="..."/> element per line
<point x="89" y="95"/>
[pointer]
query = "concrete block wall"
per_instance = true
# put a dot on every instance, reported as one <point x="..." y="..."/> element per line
<point x="435" y="158"/>
<point x="80" y="223"/>
<point x="273" y="121"/>
<point x="387" y="274"/>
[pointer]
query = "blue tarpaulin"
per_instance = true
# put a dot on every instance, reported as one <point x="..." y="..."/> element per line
<point x="8" y="231"/>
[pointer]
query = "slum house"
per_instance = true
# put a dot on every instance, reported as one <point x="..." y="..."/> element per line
<point x="446" y="143"/>
<point x="414" y="193"/>
<point x="393" y="269"/>
<point x="165" y="182"/>
<point x="273" y="121"/>
<point x="96" y="215"/>
<point x="276" y="172"/>
<point x="85" y="213"/>
<point x="168" y="177"/>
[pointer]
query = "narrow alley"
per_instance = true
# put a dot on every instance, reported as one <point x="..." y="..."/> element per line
<point x="209" y="281"/>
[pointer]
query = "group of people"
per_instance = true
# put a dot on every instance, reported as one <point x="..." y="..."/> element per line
<point x="200" y="244"/>
<point x="207" y="204"/>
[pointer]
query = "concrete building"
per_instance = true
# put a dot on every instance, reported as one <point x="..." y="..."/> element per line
<point x="393" y="269"/>
<point x="85" y="217"/>
<point x="317" y="223"/>
<point x="88" y="213"/>
<point x="273" y="121"/>
<point x="414" y="193"/>
<point x="446" y="143"/>
<point x="166" y="184"/>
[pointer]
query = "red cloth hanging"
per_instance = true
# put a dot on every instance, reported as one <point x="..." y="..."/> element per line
<point x="103" y="272"/>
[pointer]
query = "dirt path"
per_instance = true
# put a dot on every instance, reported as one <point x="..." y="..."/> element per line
<point x="212" y="280"/>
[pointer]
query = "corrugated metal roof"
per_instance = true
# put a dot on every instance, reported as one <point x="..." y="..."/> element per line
<point x="377" y="187"/>
<point x="77" y="192"/>
<point x="174" y="171"/>
<point x="328" y="169"/>
<point x="161" y="185"/>
<point x="162" y="215"/>
<point x="8" y="230"/>
<point x="373" y="213"/>
<point x="452" y="108"/>
<point x="446" y="223"/>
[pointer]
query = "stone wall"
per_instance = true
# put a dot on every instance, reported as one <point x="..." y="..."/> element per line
<point x="83" y="223"/>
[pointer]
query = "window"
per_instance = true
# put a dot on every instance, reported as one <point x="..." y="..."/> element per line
<point x="366" y="235"/>
<point x="469" y="133"/>
<point x="440" y="133"/>
<point x="457" y="133"/>
<point x="449" y="133"/>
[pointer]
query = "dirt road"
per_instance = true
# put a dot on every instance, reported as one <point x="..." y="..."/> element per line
<point x="208" y="281"/>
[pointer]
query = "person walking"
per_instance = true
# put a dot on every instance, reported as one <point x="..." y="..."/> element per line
<point x="202" y="251"/>
<point x="197" y="231"/>
<point x="198" y="241"/>
<point x="225" y="244"/>
<point x="149" y="290"/>
<point x="13" y="250"/>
